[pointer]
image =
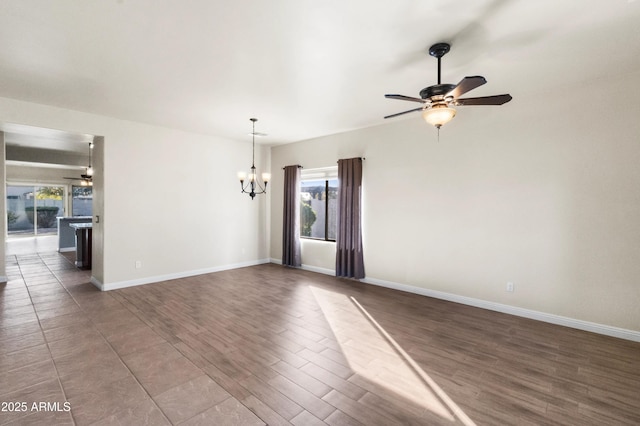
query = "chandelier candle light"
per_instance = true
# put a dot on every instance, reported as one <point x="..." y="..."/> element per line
<point x="253" y="187"/>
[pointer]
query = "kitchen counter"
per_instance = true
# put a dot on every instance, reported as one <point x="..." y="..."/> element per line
<point x="67" y="234"/>
<point x="81" y="225"/>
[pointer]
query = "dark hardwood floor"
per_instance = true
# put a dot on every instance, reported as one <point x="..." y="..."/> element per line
<point x="272" y="345"/>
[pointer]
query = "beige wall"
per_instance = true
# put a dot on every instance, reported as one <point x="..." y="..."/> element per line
<point x="542" y="192"/>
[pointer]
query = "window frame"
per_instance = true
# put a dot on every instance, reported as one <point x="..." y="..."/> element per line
<point x="326" y="174"/>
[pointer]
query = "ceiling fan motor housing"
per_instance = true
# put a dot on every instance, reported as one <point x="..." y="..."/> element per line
<point x="439" y="90"/>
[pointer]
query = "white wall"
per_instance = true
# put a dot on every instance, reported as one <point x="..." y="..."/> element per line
<point x="167" y="198"/>
<point x="542" y="192"/>
<point x="3" y="208"/>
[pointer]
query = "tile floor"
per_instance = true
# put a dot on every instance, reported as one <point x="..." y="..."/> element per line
<point x="62" y="341"/>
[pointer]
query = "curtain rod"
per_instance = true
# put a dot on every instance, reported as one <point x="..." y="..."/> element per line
<point x="300" y="167"/>
<point x="360" y="158"/>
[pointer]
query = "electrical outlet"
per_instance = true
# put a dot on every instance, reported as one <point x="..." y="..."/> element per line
<point x="138" y="264"/>
<point x="509" y="286"/>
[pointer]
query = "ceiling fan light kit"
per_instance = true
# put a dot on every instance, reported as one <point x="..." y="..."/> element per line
<point x="438" y="100"/>
<point x="438" y="115"/>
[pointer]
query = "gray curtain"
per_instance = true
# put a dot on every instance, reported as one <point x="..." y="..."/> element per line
<point x="349" y="258"/>
<point x="291" y="214"/>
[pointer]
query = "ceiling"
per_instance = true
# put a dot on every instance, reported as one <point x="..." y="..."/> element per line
<point x="304" y="68"/>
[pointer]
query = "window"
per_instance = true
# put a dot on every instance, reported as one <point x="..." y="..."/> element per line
<point x="318" y="209"/>
<point x="81" y="201"/>
<point x="32" y="210"/>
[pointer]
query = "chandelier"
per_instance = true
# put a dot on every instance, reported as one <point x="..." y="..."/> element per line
<point x="253" y="186"/>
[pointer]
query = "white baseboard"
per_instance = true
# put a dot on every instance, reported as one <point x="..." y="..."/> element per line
<point x="167" y="277"/>
<point x="3" y="279"/>
<point x="96" y="283"/>
<point x="593" y="327"/>
<point x="66" y="249"/>
<point x="606" y="330"/>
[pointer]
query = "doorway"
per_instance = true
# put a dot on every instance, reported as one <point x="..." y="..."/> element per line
<point x="37" y="158"/>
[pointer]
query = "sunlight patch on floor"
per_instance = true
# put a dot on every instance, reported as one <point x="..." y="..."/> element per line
<point x="373" y="354"/>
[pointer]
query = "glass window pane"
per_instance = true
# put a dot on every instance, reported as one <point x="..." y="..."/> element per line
<point x="317" y="207"/>
<point x="34" y="209"/>
<point x="332" y="213"/>
<point x="19" y="198"/>
<point x="82" y="201"/>
<point x="49" y="205"/>
<point x="312" y="209"/>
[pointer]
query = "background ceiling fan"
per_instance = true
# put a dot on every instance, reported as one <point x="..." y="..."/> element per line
<point x="87" y="176"/>
<point x="438" y="100"/>
<point x="85" y="180"/>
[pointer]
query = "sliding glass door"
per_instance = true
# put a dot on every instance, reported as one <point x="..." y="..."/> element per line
<point x="32" y="210"/>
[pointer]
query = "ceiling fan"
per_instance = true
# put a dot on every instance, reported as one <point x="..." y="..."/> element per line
<point x="85" y="180"/>
<point x="87" y="176"/>
<point x="438" y="100"/>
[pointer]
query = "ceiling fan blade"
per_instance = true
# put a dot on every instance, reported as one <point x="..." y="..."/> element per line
<point x="404" y="98"/>
<point x="404" y="112"/>
<point x="485" y="100"/>
<point x="465" y="85"/>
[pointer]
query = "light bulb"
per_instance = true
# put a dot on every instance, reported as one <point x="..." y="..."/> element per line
<point x="438" y="115"/>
